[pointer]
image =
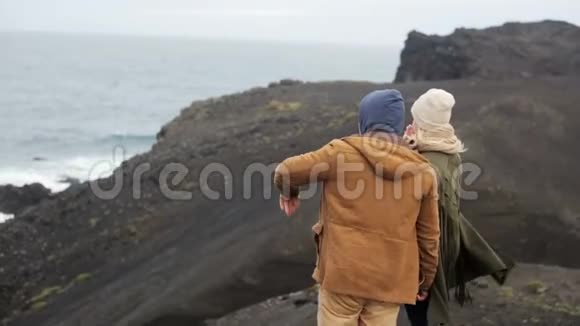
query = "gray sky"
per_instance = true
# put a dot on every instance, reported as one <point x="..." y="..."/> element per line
<point x="378" y="22"/>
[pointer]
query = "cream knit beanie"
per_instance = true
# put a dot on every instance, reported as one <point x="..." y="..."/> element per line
<point x="432" y="115"/>
<point x="433" y="109"/>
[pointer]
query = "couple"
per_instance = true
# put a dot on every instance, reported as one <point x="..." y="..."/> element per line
<point x="390" y="231"/>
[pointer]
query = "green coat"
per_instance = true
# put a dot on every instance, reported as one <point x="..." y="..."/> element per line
<point x="464" y="254"/>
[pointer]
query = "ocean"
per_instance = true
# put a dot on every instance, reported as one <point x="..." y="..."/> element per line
<point x="68" y="100"/>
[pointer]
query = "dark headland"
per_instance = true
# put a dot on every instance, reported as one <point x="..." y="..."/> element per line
<point x="513" y="50"/>
<point x="75" y="259"/>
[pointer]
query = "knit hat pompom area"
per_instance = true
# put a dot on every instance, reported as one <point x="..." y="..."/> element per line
<point x="432" y="115"/>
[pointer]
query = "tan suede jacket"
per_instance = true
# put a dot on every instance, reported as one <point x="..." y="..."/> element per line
<point x="378" y="230"/>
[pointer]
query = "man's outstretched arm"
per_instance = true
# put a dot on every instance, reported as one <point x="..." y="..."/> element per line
<point x="304" y="169"/>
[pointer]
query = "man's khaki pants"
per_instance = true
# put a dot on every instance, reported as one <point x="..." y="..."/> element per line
<point x="344" y="310"/>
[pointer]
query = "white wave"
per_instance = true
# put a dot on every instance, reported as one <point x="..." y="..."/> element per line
<point x="5" y="217"/>
<point x="52" y="173"/>
<point x="21" y="177"/>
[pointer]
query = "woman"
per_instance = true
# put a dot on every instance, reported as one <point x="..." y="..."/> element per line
<point x="464" y="254"/>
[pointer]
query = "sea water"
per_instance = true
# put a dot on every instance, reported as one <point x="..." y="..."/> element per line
<point x="67" y="101"/>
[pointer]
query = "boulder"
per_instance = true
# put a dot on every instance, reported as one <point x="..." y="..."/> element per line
<point x="14" y="199"/>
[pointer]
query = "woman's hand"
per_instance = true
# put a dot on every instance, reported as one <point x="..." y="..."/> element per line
<point x="422" y="295"/>
<point x="289" y="205"/>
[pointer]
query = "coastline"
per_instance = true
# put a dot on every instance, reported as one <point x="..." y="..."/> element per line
<point x="118" y="90"/>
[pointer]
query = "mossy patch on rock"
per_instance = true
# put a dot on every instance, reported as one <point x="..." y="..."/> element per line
<point x="38" y="305"/>
<point x="506" y="291"/>
<point x="284" y="106"/>
<point x="550" y="306"/>
<point x="83" y="277"/>
<point x="94" y="221"/>
<point x="40" y="300"/>
<point x="537" y="287"/>
<point x="46" y="293"/>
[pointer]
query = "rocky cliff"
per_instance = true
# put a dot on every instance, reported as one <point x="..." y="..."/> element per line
<point x="141" y="258"/>
<point x="14" y="199"/>
<point x="513" y="50"/>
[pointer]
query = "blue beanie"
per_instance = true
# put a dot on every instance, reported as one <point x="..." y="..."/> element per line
<point x="382" y="110"/>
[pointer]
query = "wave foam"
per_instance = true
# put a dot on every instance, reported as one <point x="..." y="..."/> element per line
<point x="52" y="173"/>
<point x="5" y="217"/>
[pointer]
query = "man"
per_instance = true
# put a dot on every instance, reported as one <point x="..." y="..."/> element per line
<point x="378" y="231"/>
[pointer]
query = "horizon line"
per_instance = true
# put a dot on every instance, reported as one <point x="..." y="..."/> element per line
<point x="191" y="37"/>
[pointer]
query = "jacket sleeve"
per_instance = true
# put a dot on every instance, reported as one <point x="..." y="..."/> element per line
<point x="428" y="236"/>
<point x="304" y="169"/>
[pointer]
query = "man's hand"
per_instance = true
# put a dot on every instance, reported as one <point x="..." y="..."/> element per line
<point x="422" y="295"/>
<point x="289" y="205"/>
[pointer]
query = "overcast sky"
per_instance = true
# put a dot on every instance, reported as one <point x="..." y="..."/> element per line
<point x="380" y="22"/>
